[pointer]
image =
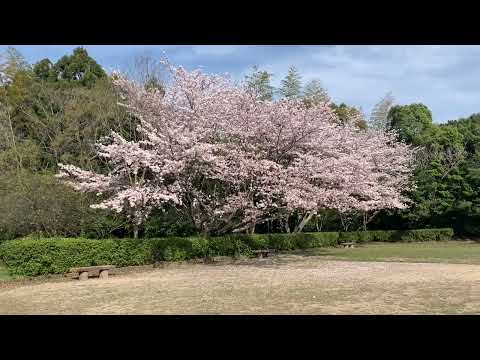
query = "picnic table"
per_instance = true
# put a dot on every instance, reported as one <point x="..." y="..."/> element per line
<point x="83" y="273"/>
<point x="348" y="244"/>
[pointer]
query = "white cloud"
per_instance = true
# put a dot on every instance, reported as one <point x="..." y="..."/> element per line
<point x="361" y="75"/>
<point x="214" y="50"/>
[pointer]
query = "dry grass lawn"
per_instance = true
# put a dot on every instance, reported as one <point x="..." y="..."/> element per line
<point x="284" y="284"/>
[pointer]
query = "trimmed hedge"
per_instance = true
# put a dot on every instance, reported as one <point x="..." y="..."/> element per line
<point x="397" y="235"/>
<point x="426" y="235"/>
<point x="290" y="241"/>
<point x="30" y="256"/>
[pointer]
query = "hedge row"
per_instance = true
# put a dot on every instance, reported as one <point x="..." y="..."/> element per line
<point x="30" y="257"/>
<point x="397" y="235"/>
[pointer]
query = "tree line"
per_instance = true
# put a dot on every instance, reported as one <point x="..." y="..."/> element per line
<point x="53" y="113"/>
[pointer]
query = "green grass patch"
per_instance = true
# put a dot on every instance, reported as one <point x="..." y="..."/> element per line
<point x="454" y="252"/>
<point x="4" y="275"/>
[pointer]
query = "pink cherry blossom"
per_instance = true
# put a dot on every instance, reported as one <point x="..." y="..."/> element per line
<point x="227" y="160"/>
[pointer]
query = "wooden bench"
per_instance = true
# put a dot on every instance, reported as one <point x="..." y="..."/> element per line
<point x="348" y="244"/>
<point x="83" y="273"/>
<point x="264" y="252"/>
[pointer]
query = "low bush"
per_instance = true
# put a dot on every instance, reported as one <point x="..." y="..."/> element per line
<point x="367" y="236"/>
<point x="288" y="241"/>
<point x="426" y="235"/>
<point x="229" y="245"/>
<point x="33" y="256"/>
<point x="397" y="235"/>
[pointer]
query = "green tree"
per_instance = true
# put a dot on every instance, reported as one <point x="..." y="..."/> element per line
<point x="447" y="176"/>
<point x="259" y="83"/>
<point x="291" y="86"/>
<point x="44" y="70"/>
<point x="18" y="75"/>
<point x="413" y="122"/>
<point x="38" y="203"/>
<point x="43" y="123"/>
<point x="346" y="113"/>
<point x="78" y="67"/>
<point x="13" y="61"/>
<point x="315" y="94"/>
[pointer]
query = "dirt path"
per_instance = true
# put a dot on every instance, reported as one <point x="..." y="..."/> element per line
<point x="286" y="284"/>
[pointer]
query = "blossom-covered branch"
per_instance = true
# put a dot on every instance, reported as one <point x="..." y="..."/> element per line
<point x="229" y="160"/>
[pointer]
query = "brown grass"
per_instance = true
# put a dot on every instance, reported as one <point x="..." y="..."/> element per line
<point x="284" y="284"/>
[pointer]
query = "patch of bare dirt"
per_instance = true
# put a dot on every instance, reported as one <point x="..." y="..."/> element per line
<point x="283" y="284"/>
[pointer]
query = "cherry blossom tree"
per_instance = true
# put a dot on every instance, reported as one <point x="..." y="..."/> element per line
<point x="377" y="173"/>
<point x="136" y="184"/>
<point x="229" y="160"/>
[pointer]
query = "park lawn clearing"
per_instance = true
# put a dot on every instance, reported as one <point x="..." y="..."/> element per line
<point x="283" y="284"/>
<point x="449" y="252"/>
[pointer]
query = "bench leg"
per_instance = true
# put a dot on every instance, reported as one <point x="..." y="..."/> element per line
<point x="83" y="275"/>
<point x="103" y="274"/>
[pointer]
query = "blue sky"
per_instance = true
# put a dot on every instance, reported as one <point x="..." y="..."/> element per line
<point x="445" y="78"/>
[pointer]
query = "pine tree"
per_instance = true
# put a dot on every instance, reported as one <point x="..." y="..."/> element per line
<point x="259" y="83"/>
<point x="292" y="84"/>
<point x="379" y="117"/>
<point x="314" y="93"/>
<point x="11" y="61"/>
